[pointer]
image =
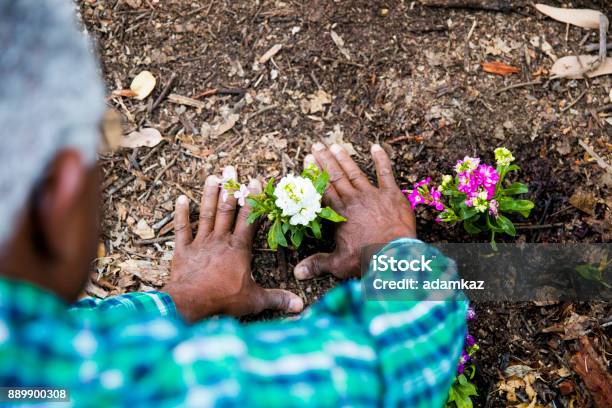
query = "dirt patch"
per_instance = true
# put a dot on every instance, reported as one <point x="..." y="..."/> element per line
<point x="397" y="73"/>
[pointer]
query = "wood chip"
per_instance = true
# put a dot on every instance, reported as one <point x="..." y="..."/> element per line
<point x="499" y="68"/>
<point x="185" y="100"/>
<point x="270" y="53"/>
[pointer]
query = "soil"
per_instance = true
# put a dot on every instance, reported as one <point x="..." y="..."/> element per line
<point x="403" y="75"/>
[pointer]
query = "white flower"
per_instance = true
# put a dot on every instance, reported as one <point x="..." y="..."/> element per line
<point x="241" y="195"/>
<point x="297" y="198"/>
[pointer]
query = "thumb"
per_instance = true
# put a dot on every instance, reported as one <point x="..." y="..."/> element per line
<point x="313" y="266"/>
<point x="282" y="300"/>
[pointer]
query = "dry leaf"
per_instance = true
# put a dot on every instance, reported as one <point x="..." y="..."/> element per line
<point x="340" y="44"/>
<point x="575" y="68"/>
<point x="317" y="100"/>
<point x="147" y="137"/>
<point x="584" y="18"/>
<point x="591" y="367"/>
<point x="574" y="327"/>
<point x="143" y="230"/>
<point x="143" y="84"/>
<point x="584" y="201"/>
<point x="336" y="136"/>
<point x="270" y="53"/>
<point x="499" y="68"/>
<point x="517" y="370"/>
<point x="134" y="3"/>
<point x="112" y="131"/>
<point x="144" y="270"/>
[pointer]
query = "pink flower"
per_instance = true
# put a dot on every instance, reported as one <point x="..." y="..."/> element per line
<point x="241" y="194"/>
<point x="487" y="175"/>
<point x="415" y="198"/>
<point x="494" y="208"/>
<point x="423" y="182"/>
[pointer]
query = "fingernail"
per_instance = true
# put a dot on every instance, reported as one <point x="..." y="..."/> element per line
<point x="301" y="272"/>
<point x="317" y="147"/>
<point x="336" y="148"/>
<point x="182" y="200"/>
<point x="295" y="305"/>
<point x="229" y="172"/>
<point x="211" y="180"/>
<point x="255" y="186"/>
<point x="309" y="159"/>
<point x="376" y="147"/>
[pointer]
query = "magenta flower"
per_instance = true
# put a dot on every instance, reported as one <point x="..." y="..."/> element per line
<point x="415" y="198"/>
<point x="471" y="314"/>
<point x="423" y="182"/>
<point x="469" y="340"/>
<point x="487" y="175"/>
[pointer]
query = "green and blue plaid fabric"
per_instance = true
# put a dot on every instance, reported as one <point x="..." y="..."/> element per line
<point x="134" y="350"/>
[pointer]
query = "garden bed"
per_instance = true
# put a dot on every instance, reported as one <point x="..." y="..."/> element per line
<point x="397" y="73"/>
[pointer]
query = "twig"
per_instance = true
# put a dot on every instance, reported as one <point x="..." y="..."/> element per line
<point x="184" y="100"/>
<point x="154" y="240"/>
<point x="594" y="47"/>
<point x="600" y="161"/>
<point x="220" y="91"/>
<point x="259" y="112"/>
<point x="519" y="85"/>
<point x="490" y="5"/>
<point x="159" y="175"/>
<point x="575" y="101"/>
<point x="164" y="93"/>
<point x="119" y="186"/>
<point x="539" y="226"/>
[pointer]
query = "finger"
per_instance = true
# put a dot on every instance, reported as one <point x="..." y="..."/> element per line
<point x="282" y="300"/>
<point x="226" y="205"/>
<point x="208" y="207"/>
<point x="331" y="196"/>
<point x="336" y="175"/>
<point x="182" y="228"/>
<point x="245" y="231"/>
<point x="384" y="172"/>
<point x="314" y="266"/>
<point x="350" y="168"/>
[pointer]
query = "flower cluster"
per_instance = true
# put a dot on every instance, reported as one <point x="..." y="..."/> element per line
<point x="297" y="198"/>
<point x="462" y="388"/>
<point x="293" y="206"/>
<point x="475" y="195"/>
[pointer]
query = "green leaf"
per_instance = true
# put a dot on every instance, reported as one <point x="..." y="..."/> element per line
<point x="297" y="235"/>
<point x="471" y="228"/>
<point x="276" y="236"/>
<point x="321" y="182"/>
<point x="270" y="187"/>
<point x="316" y="228"/>
<point x="467" y="213"/>
<point x="253" y="216"/>
<point x="506" y="225"/>
<point x="272" y="239"/>
<point x="285" y="227"/>
<point x="520" y="206"/>
<point x="516" y="188"/>
<point x="329" y="214"/>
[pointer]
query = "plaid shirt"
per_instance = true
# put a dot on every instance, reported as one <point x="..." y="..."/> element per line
<point x="134" y="350"/>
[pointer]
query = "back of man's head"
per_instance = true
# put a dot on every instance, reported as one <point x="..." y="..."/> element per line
<point x="51" y="97"/>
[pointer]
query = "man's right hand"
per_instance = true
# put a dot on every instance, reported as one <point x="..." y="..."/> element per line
<point x="374" y="215"/>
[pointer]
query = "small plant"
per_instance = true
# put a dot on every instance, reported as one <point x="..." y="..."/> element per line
<point x="476" y="196"/>
<point x="293" y="205"/>
<point x="462" y="389"/>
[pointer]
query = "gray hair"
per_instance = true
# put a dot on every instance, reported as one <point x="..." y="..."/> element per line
<point x="51" y="97"/>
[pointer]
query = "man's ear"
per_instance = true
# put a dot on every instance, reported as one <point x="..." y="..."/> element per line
<point x="59" y="196"/>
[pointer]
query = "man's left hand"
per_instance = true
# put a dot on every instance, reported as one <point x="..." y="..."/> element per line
<point x="211" y="273"/>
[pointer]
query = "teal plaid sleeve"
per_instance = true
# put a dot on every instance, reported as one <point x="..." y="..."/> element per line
<point x="150" y="303"/>
<point x="342" y="351"/>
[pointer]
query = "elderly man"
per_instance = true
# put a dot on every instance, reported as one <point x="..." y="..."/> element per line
<point x="155" y="348"/>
